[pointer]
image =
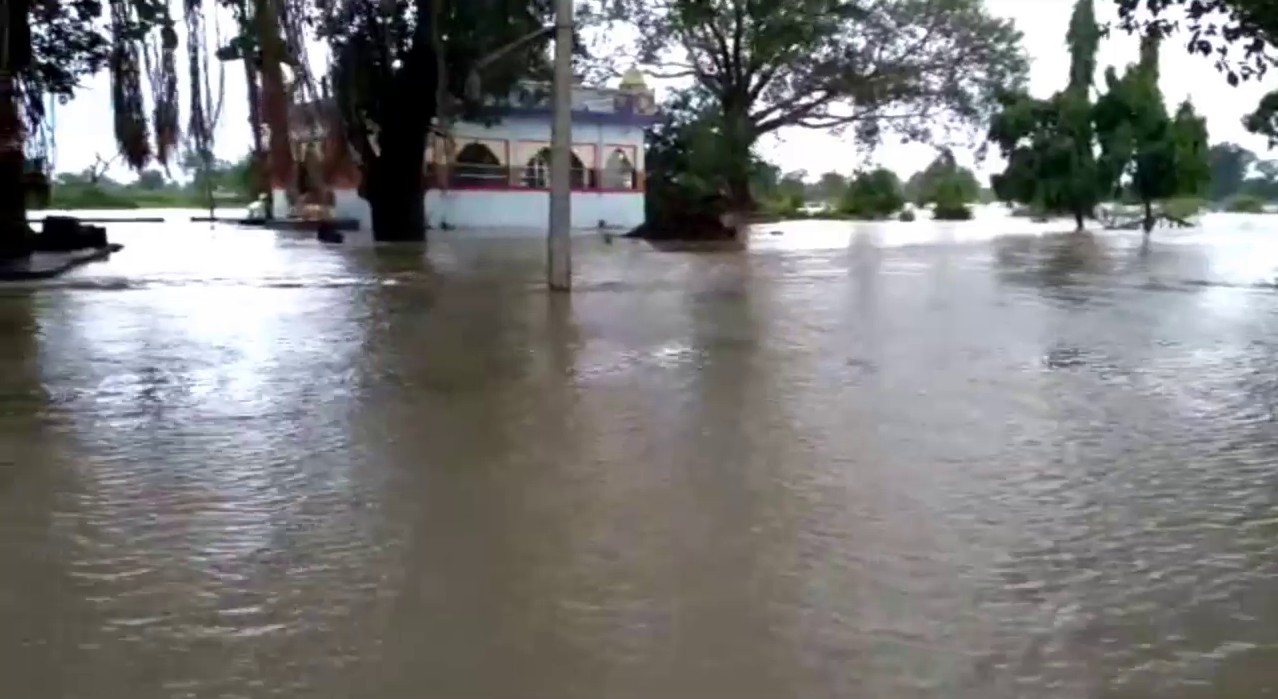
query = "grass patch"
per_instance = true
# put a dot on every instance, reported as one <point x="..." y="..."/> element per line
<point x="125" y="199"/>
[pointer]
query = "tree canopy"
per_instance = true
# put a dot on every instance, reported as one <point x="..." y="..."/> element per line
<point x="943" y="176"/>
<point x="874" y="194"/>
<point x="950" y="202"/>
<point x="914" y="66"/>
<point x="1232" y="166"/>
<point x="1144" y="151"/>
<point x="1048" y="143"/>
<point x="1238" y="35"/>
<point x="680" y="156"/>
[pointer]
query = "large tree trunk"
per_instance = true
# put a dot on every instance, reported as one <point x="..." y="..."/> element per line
<point x="275" y="107"/>
<point x="387" y="116"/>
<point x="739" y="195"/>
<point x="393" y="181"/>
<point x="740" y="203"/>
<point x="392" y="186"/>
<point x="258" y="163"/>
<point x="738" y="139"/>
<point x="15" y="235"/>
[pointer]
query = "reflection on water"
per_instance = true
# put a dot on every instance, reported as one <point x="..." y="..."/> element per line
<point x="896" y="460"/>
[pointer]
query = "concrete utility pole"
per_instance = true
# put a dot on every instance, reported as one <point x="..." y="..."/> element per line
<point x="558" y="243"/>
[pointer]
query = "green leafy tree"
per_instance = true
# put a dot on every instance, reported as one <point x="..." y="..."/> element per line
<point x="1229" y="164"/>
<point x="1049" y="144"/>
<point x="765" y="180"/>
<point x="1189" y="135"/>
<point x="1144" y="150"/>
<point x="951" y="200"/>
<point x="674" y="175"/>
<point x="876" y="194"/>
<point x="868" y="64"/>
<point x="151" y="180"/>
<point x="1238" y="35"/>
<point x="683" y="157"/>
<point x="214" y="175"/>
<point x="831" y="186"/>
<point x="1264" y="185"/>
<point x="923" y="187"/>
<point x="792" y="190"/>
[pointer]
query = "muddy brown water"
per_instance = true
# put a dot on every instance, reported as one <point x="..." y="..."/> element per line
<point x="979" y="460"/>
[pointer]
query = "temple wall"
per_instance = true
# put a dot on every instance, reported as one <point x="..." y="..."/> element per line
<point x="515" y="211"/>
<point x="515" y="197"/>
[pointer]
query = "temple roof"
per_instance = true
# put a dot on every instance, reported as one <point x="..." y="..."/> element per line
<point x="634" y="80"/>
<point x="630" y="104"/>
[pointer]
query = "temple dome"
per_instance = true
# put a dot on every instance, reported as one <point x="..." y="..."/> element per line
<point x="634" y="80"/>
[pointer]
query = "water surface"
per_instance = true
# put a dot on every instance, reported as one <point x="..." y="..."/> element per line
<point x="975" y="459"/>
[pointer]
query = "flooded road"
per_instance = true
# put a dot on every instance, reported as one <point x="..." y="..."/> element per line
<point x="854" y="461"/>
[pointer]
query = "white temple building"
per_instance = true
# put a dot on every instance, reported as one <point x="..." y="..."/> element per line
<point x="496" y="177"/>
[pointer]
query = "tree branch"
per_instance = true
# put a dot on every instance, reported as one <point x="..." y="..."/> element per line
<point x="787" y="111"/>
<point x="738" y="36"/>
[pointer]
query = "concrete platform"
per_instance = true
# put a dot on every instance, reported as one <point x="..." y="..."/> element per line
<point x="46" y="265"/>
<point x="280" y="224"/>
<point x="119" y="219"/>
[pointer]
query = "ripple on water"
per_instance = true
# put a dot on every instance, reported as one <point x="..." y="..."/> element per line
<point x="990" y="465"/>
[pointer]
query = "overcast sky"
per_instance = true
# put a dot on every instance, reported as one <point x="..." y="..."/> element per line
<point x="83" y="127"/>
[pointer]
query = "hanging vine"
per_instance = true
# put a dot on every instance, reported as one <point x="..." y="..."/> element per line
<point x="197" y="130"/>
<point x="160" y="56"/>
<point x="205" y="105"/>
<point x="128" y="104"/>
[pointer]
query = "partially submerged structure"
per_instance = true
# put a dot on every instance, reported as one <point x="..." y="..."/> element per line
<point x="492" y="173"/>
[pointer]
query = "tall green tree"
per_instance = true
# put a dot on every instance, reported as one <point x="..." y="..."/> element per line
<point x="1144" y="151"/>
<point x="873" y="194"/>
<point x="1189" y="134"/>
<point x="911" y="66"/>
<point x="1238" y="35"/>
<point x="793" y="188"/>
<point x="924" y="187"/>
<point x="951" y="199"/>
<point x="681" y="156"/>
<point x="1049" y="144"/>
<point x="400" y="64"/>
<point x="830" y="186"/>
<point x="1229" y="164"/>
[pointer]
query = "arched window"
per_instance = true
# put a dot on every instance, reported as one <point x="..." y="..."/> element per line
<point x="477" y="166"/>
<point x="618" y="172"/>
<point x="537" y="172"/>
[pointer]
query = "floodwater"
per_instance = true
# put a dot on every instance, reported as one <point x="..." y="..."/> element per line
<point x="907" y="460"/>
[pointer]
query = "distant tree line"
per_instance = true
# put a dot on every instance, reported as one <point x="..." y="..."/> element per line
<point x="208" y="182"/>
<point x="944" y="186"/>
<point x="1240" y="180"/>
